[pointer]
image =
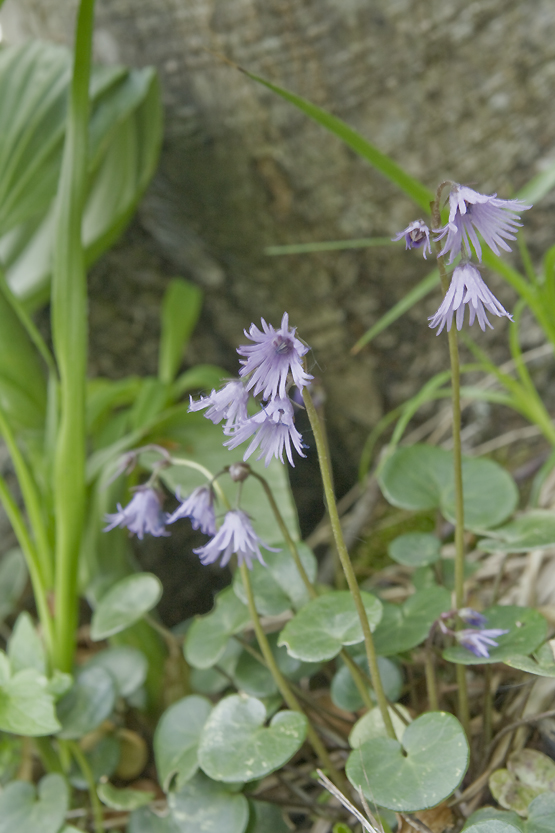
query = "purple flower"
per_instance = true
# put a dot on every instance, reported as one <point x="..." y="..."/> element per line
<point x="470" y="212"/>
<point x="274" y="355"/>
<point x="229" y="403"/>
<point x="472" y="617"/>
<point x="467" y="287"/>
<point x="199" y="507"/>
<point x="142" y="514"/>
<point x="416" y="234"/>
<point x="235" y="535"/>
<point x="274" y="430"/>
<point x="478" y="641"/>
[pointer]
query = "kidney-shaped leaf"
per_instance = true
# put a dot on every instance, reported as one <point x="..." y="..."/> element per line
<point x="323" y="626"/>
<point x="527" y="630"/>
<point x="22" y="811"/>
<point x="127" y="665"/>
<point x="145" y="821"/>
<point x="89" y="702"/>
<point x="421" y="477"/>
<point x="402" y="627"/>
<point x="541" y="663"/>
<point x="236" y="746"/>
<point x="208" y="635"/>
<point x="415" y="549"/>
<point x="533" y="530"/>
<point x="177" y="738"/>
<point x="203" y="804"/>
<point x="124" y="603"/>
<point x="541" y="814"/>
<point x="278" y="586"/>
<point x="424" y="770"/>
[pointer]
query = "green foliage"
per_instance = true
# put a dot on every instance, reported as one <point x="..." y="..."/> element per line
<point x="345" y="693"/>
<point x="180" y="311"/>
<point x="371" y="725"/>
<point x="123" y="799"/>
<point x="527" y="630"/>
<point x="402" y="627"/>
<point x="176" y="741"/>
<point x="87" y="704"/>
<point x="210" y="806"/>
<point x="419" y="773"/>
<point x="26" y="810"/>
<point x="207" y="637"/>
<point x="415" y="549"/>
<point x="530" y="531"/>
<point x="278" y="586"/>
<point x="127" y="665"/>
<point x="126" y="602"/>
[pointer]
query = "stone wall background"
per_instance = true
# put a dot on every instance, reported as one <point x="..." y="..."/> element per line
<point x="449" y="88"/>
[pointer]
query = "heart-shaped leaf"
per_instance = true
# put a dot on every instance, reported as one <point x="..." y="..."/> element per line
<point x="529" y="773"/>
<point x="321" y="628"/>
<point x="202" y="804"/>
<point x="22" y="811"/>
<point x="345" y="693"/>
<point x="208" y="635"/>
<point x="541" y="814"/>
<point x="236" y="746"/>
<point x="541" y="663"/>
<point x="210" y="680"/>
<point x="421" y="477"/>
<point x="145" y="821"/>
<point x="124" y="603"/>
<point x="531" y="531"/>
<point x="402" y="627"/>
<point x="278" y="586"/>
<point x="128" y="667"/>
<point x="177" y="738"/>
<point x="492" y="825"/>
<point x="415" y="549"/>
<point x="527" y="630"/>
<point x="418" y="774"/>
<point x="371" y="726"/>
<point x="90" y="701"/>
<point x="26" y="704"/>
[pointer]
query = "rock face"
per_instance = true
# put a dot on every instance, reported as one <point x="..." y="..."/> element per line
<point x="449" y="88"/>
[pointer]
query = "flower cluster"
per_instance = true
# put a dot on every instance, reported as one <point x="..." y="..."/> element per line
<point x="470" y="214"/>
<point x="477" y="638"/>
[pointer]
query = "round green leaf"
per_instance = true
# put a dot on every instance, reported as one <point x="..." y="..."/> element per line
<point x="90" y="701"/>
<point x="236" y="746"/>
<point x="492" y="826"/>
<point x="124" y="603"/>
<point x="527" y="630"/>
<point x="123" y="799"/>
<point x="177" y="738"/>
<point x="145" y="821"/>
<point x="489" y="814"/>
<point x="421" y="477"/>
<point x="22" y="811"/>
<point x="321" y="628"/>
<point x="533" y="530"/>
<point x="208" y="635"/>
<point x="128" y="666"/>
<point x="402" y="627"/>
<point x="205" y="805"/>
<point x="541" y="663"/>
<point x="425" y="770"/>
<point x="415" y="549"/>
<point x="26" y="705"/>
<point x="253" y="678"/>
<point x="210" y="680"/>
<point x="346" y="695"/>
<point x="541" y="814"/>
<point x="371" y="726"/>
<point x="278" y="586"/>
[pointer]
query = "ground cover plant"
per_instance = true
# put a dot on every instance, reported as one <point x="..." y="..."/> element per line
<point x="417" y="699"/>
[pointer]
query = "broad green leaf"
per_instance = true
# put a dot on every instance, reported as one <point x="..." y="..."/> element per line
<point x="421" y="477"/>
<point x="493" y="825"/>
<point x="152" y="398"/>
<point x="23" y="809"/>
<point x="265" y="818"/>
<point x="278" y="586"/>
<point x="541" y="663"/>
<point x="419" y="773"/>
<point x="253" y="678"/>
<point x="180" y="311"/>
<point x="124" y="604"/>
<point x="530" y="531"/>
<point x="390" y="169"/>
<point x="489" y="814"/>
<point x="124" y="140"/>
<point x="415" y="549"/>
<point x="26" y="705"/>
<point x="123" y="799"/>
<point x="90" y="701"/>
<point x="346" y="695"/>
<point x="527" y="630"/>
<point x="371" y="726"/>
<point x="176" y="741"/>
<point x="13" y="578"/>
<point x="210" y="680"/>
<point x="128" y="667"/>
<point x="323" y="626"/>
<point x="509" y="792"/>
<point x="102" y="759"/>
<point x="541" y="814"/>
<point x="25" y="648"/>
<point x="207" y="637"/>
<point x="145" y="821"/>
<point x="203" y="804"/>
<point x="236" y="746"/>
<point x="202" y="442"/>
<point x="405" y="626"/>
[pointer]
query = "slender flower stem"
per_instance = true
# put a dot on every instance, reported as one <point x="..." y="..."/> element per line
<point x="339" y="780"/>
<point x="429" y="667"/>
<point x="85" y="768"/>
<point x="335" y="522"/>
<point x="457" y="467"/>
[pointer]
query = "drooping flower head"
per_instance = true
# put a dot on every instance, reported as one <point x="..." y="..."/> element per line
<point x="274" y="354"/>
<point x="229" y="403"/>
<point x="274" y="430"/>
<point x="199" y="507"/>
<point x="479" y="641"/>
<point x="417" y="235"/>
<point x="142" y="514"/>
<point x="470" y="212"/>
<point x="467" y="288"/>
<point x="236" y="535"/>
